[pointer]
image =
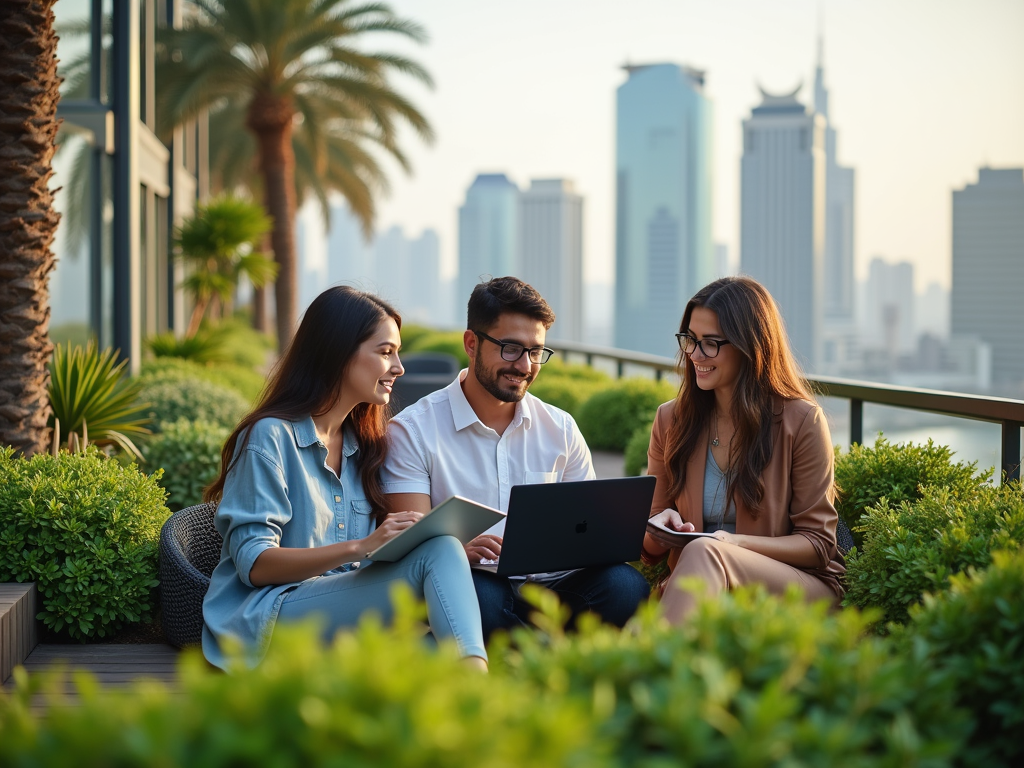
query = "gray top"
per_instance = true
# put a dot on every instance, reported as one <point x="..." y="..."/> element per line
<point x="716" y="485"/>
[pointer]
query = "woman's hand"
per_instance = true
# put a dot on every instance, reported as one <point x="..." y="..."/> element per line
<point x="393" y="524"/>
<point x="728" y="538"/>
<point x="673" y="521"/>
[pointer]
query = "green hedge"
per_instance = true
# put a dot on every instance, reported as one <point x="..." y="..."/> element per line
<point x="610" y="417"/>
<point x="898" y="472"/>
<point x="247" y="382"/>
<point x="752" y="680"/>
<point x="449" y="342"/>
<point x="85" y="528"/>
<point x="188" y="452"/>
<point x="636" y="449"/>
<point x="916" y="547"/>
<point x="195" y="400"/>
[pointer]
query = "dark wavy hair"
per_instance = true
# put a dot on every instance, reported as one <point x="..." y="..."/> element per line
<point x="502" y="295"/>
<point x="308" y="380"/>
<point x="751" y="321"/>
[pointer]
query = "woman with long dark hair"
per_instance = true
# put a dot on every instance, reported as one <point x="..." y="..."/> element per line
<point x="300" y="497"/>
<point x="743" y="453"/>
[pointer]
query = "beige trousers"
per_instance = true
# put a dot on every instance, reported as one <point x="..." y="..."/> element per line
<point x="722" y="566"/>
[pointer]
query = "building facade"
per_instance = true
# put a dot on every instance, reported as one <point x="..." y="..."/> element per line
<point x="782" y="214"/>
<point x="124" y="189"/>
<point x="663" y="247"/>
<point x="988" y="270"/>
<point x="551" y="251"/>
<point x="488" y="232"/>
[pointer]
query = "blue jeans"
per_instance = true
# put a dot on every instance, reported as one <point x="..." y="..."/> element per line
<point x="437" y="570"/>
<point x="613" y="592"/>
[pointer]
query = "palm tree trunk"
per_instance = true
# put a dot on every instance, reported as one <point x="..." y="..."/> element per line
<point x="270" y="118"/>
<point x="29" y="92"/>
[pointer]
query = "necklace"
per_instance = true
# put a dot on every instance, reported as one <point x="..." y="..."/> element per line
<point x="715" y="441"/>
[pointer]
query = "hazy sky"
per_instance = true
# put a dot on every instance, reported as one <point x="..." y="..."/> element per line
<point x="922" y="93"/>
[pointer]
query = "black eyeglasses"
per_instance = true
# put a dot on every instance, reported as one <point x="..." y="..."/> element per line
<point x="512" y="352"/>
<point x="708" y="347"/>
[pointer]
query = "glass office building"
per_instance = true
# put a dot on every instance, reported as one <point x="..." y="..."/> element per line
<point x="123" y="188"/>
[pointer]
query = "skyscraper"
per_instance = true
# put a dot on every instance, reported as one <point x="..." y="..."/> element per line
<point x="349" y="254"/>
<point x="888" y="323"/>
<point x="839" y="215"/>
<point x="488" y="232"/>
<point x="988" y="270"/>
<point x="663" y="250"/>
<point x="782" y="213"/>
<point x="551" y="251"/>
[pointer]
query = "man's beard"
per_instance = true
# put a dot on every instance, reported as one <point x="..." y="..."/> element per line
<point x="492" y="382"/>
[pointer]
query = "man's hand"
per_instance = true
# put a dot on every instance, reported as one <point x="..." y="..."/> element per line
<point x="484" y="547"/>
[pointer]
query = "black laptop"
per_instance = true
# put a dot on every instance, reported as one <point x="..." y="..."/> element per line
<point x="563" y="526"/>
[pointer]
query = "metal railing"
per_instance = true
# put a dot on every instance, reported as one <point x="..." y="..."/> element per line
<point x="1009" y="414"/>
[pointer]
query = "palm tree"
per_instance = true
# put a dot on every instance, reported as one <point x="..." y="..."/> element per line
<point x="279" y="61"/>
<point x="29" y="92"/>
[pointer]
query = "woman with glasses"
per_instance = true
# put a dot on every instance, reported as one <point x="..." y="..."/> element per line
<point x="744" y="455"/>
<point x="301" y="503"/>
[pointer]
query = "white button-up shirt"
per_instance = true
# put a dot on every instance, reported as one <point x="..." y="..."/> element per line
<point x="440" y="447"/>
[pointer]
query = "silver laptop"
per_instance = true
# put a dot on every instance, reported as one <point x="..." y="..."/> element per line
<point x="562" y="526"/>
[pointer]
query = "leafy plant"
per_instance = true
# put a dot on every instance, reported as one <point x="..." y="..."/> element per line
<point x="610" y="417"/>
<point x="636" y="449"/>
<point x="973" y="634"/>
<point x="89" y="392"/>
<point x="85" y="529"/>
<point x="243" y="345"/>
<point x="248" y="383"/>
<point x="898" y="472"/>
<point x="401" y="704"/>
<point x="218" y="244"/>
<point x="195" y="400"/>
<point x="200" y="348"/>
<point x="916" y="547"/>
<point x="439" y="341"/>
<point x="188" y="452"/>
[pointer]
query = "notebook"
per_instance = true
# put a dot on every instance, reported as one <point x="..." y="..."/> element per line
<point x="554" y="527"/>
<point x="455" y="516"/>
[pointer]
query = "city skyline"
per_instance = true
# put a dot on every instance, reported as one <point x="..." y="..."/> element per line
<point x="893" y="74"/>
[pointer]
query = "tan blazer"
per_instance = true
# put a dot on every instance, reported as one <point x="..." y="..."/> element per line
<point x="798" y="486"/>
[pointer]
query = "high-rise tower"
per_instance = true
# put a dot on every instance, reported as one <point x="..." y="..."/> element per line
<point x="988" y="270"/>
<point x="782" y="213"/>
<point x="488" y="233"/>
<point x="663" y="249"/>
<point x="551" y="251"/>
<point x="839" y="215"/>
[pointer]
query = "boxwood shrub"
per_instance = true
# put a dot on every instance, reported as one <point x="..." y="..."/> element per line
<point x="195" y="400"/>
<point x="636" y="449"/>
<point x="247" y="382"/>
<point x="610" y="417"/>
<point x="916" y="547"/>
<point x="973" y="635"/>
<point x="85" y="528"/>
<point x="898" y="472"/>
<point x="449" y="342"/>
<point x="188" y="453"/>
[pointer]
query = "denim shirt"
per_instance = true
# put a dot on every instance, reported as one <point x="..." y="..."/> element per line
<point x="279" y="493"/>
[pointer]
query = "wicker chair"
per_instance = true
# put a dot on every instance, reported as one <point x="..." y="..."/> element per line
<point x="844" y="539"/>
<point x="189" y="551"/>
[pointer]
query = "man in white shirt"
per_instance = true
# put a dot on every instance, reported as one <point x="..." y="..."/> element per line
<point x="484" y="433"/>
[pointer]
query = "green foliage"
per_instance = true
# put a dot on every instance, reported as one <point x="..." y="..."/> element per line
<point x="374" y="698"/>
<point x="610" y="417"/>
<point x="188" y="452"/>
<point x="411" y="333"/>
<point x="85" y="529"/>
<point x="898" y="472"/>
<point x="914" y="548"/>
<point x="200" y="348"/>
<point x="449" y="342"/>
<point x="748" y="680"/>
<point x="636" y="449"/>
<point x="568" y="385"/>
<point x="72" y="334"/>
<point x="243" y="345"/>
<point x="248" y="383"/>
<point x="90" y="394"/>
<point x="973" y="634"/>
<point x="195" y="400"/>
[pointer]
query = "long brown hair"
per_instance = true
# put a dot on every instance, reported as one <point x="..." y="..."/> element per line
<point x="308" y="380"/>
<point x="751" y="322"/>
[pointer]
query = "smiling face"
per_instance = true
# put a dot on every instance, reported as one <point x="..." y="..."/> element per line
<point x="371" y="374"/>
<point x="719" y="373"/>
<point x="503" y="379"/>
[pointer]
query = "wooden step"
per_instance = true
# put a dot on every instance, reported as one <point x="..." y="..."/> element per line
<point x="19" y="629"/>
